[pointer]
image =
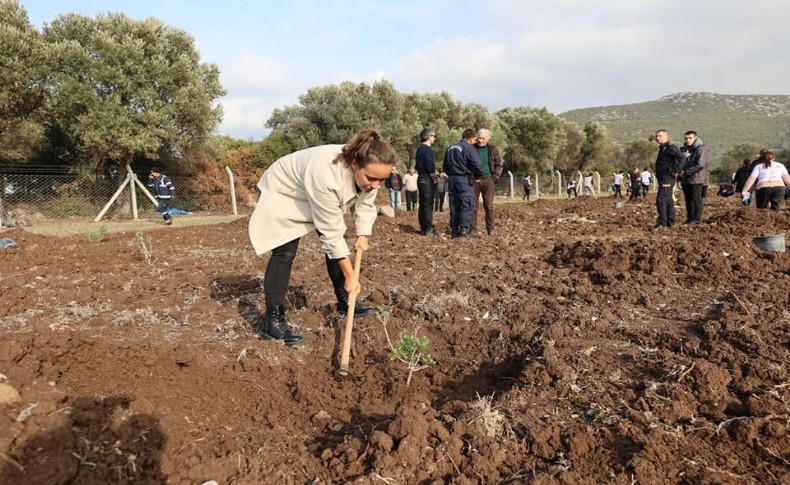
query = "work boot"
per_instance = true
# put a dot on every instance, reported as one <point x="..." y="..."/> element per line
<point x="430" y="232"/>
<point x="342" y="305"/>
<point x="456" y="231"/>
<point x="276" y="326"/>
<point x="465" y="232"/>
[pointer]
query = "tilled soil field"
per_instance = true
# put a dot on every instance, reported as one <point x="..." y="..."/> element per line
<point x="573" y="347"/>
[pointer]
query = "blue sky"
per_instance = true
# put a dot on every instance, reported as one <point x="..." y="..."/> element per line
<point x="561" y="54"/>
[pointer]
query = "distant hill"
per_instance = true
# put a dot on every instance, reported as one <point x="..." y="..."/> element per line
<point x="721" y="120"/>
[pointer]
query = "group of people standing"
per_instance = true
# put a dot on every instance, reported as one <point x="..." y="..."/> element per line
<point x="472" y="158"/>
<point x="638" y="184"/>
<point x="688" y="165"/>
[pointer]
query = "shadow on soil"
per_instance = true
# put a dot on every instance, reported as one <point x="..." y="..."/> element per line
<point x="97" y="442"/>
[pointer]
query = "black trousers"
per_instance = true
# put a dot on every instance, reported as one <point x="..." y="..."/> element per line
<point x="411" y="199"/>
<point x="665" y="205"/>
<point x="438" y="201"/>
<point x="772" y="195"/>
<point x="425" y="210"/>
<point x="278" y="273"/>
<point x="693" y="195"/>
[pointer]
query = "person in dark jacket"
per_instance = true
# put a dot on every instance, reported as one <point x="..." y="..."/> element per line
<point x="669" y="162"/>
<point x="491" y="166"/>
<point x="694" y="176"/>
<point x="426" y="169"/>
<point x="635" y="182"/>
<point x="394" y="184"/>
<point x="440" y="191"/>
<point x="743" y="172"/>
<point x="739" y="179"/>
<point x="462" y="164"/>
<point x="164" y="191"/>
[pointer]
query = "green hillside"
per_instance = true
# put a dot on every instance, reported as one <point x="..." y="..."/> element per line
<point x="722" y="120"/>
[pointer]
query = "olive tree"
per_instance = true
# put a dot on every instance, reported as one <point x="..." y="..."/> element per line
<point x="122" y="89"/>
<point x="534" y="137"/>
<point x="22" y="94"/>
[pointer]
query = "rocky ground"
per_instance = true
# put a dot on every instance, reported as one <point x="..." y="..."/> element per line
<point x="573" y="346"/>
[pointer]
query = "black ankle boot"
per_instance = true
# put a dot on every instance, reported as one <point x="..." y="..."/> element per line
<point x="342" y="305"/>
<point x="456" y="230"/>
<point x="275" y="326"/>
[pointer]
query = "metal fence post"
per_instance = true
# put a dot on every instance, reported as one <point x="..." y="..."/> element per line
<point x="537" y="187"/>
<point x="512" y="189"/>
<point x="232" y="190"/>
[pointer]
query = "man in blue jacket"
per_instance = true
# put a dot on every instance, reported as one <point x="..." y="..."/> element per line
<point x="463" y="168"/>
<point x="164" y="191"/>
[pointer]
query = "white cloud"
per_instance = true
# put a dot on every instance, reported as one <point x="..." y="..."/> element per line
<point x="562" y="54"/>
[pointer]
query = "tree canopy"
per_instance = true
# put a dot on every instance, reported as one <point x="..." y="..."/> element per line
<point x="122" y="88"/>
<point x="22" y="94"/>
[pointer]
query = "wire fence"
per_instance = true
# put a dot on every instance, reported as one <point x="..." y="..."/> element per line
<point x="40" y="193"/>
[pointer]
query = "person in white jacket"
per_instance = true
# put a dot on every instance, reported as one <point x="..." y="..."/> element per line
<point x="310" y="190"/>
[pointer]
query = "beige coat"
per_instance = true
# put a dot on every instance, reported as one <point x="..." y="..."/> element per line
<point x="307" y="191"/>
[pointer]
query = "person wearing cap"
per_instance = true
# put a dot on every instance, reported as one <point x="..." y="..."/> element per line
<point x="312" y="190"/>
<point x="425" y="166"/>
<point x="164" y="191"/>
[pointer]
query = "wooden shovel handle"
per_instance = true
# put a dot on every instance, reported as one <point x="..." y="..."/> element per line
<point x="352" y="302"/>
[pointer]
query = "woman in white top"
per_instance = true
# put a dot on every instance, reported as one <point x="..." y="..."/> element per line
<point x="772" y="178"/>
<point x="310" y="190"/>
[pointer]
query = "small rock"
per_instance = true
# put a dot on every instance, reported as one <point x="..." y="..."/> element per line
<point x="386" y="211"/>
<point x="382" y="441"/>
<point x="9" y="395"/>
<point x="320" y="418"/>
<point x="335" y="425"/>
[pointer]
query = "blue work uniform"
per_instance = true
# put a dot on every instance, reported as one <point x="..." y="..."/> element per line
<point x="462" y="166"/>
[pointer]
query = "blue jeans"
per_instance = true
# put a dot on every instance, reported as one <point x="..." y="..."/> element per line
<point x="395" y="199"/>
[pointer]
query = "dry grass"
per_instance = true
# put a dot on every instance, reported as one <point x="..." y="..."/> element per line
<point x="494" y="422"/>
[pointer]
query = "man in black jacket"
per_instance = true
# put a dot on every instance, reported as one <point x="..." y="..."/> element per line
<point x="669" y="163"/>
<point x="164" y="191"/>
<point x="426" y="169"/>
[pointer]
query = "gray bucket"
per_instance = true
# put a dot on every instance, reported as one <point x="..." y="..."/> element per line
<point x="7" y="243"/>
<point x="771" y="242"/>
